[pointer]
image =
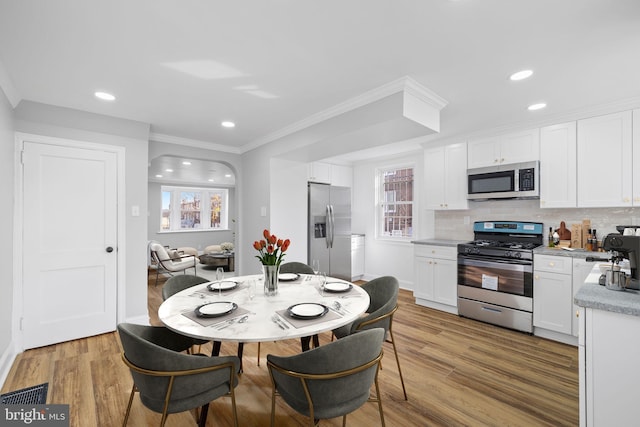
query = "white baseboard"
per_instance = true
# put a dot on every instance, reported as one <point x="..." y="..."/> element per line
<point x="6" y="362"/>
<point x="139" y="320"/>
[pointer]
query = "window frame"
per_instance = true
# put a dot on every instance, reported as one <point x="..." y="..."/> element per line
<point x="205" y="194"/>
<point x="382" y="202"/>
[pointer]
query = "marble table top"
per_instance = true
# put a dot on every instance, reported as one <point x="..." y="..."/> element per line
<point x="177" y="312"/>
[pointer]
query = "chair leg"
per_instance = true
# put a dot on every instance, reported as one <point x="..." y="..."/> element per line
<point x="240" y="351"/>
<point x="203" y="415"/>
<point x="344" y="420"/>
<point x="393" y="342"/>
<point x="126" y="414"/>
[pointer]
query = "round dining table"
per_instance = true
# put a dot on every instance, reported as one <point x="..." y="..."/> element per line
<point x="237" y="309"/>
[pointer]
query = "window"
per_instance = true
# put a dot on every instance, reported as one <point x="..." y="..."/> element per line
<point x="395" y="202"/>
<point x="185" y="208"/>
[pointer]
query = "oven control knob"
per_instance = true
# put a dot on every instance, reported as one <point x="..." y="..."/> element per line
<point x="517" y="255"/>
<point x="509" y="254"/>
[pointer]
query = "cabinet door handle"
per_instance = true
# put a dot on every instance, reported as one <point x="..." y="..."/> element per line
<point x="577" y="313"/>
<point x="552" y="264"/>
<point x="537" y="277"/>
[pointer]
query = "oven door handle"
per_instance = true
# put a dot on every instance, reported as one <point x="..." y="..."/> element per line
<point x="502" y="265"/>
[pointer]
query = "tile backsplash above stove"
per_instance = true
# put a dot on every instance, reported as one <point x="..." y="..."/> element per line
<point x="458" y="225"/>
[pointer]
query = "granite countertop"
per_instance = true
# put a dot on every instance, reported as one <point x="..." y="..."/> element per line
<point x="593" y="295"/>
<point x="439" y="242"/>
<point x="576" y="253"/>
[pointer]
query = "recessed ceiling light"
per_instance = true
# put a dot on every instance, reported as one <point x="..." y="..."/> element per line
<point x="168" y="170"/>
<point x="210" y="180"/>
<point x="534" y="107"/>
<point x="227" y="175"/>
<point x="228" y="124"/>
<point x="521" y="75"/>
<point x="158" y="176"/>
<point x="186" y="163"/>
<point x="105" y="96"/>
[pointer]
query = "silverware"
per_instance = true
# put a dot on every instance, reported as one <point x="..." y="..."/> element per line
<point x="231" y="321"/>
<point x="339" y="308"/>
<point x="279" y="322"/>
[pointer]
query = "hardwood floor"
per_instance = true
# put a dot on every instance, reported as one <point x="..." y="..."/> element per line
<point x="458" y="372"/>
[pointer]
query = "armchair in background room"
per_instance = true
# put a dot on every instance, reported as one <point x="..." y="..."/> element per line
<point x="170" y="263"/>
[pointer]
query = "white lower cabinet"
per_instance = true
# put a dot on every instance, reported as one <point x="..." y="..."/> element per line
<point x="436" y="277"/>
<point x="552" y="293"/>
<point x="608" y="376"/>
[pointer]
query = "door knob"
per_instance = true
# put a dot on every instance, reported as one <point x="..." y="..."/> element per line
<point x="109" y="249"/>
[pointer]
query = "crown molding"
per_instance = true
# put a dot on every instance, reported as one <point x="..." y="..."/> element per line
<point x="7" y="86"/>
<point x="169" y="139"/>
<point x="405" y="83"/>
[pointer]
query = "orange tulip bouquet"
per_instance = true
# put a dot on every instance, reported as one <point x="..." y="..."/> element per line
<point x="271" y="250"/>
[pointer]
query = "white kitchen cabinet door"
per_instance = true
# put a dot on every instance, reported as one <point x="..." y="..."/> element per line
<point x="517" y="147"/>
<point x="445" y="176"/>
<point x="558" y="166"/>
<point x="319" y="172"/>
<point x="434" y="176"/>
<point x="636" y="157"/>
<point x="581" y="269"/>
<point x="483" y="152"/>
<point x="552" y="301"/>
<point x="423" y="288"/>
<point x="445" y="281"/>
<point x="605" y="161"/>
<point x="520" y="147"/>
<point x="611" y="378"/>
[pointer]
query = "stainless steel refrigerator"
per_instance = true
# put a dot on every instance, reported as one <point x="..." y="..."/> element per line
<point x="329" y="228"/>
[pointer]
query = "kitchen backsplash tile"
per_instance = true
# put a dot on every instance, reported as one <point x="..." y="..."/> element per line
<point x="451" y="224"/>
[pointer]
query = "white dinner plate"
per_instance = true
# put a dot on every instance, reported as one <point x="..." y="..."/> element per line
<point x="216" y="309"/>
<point x="224" y="285"/>
<point x="337" y="286"/>
<point x="288" y="277"/>
<point x="307" y="310"/>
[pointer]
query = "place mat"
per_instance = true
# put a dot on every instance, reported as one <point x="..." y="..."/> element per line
<point x="301" y="323"/>
<point x="209" y="321"/>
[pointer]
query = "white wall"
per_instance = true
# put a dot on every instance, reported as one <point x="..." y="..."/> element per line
<point x="76" y="125"/>
<point x="7" y="187"/>
<point x="383" y="257"/>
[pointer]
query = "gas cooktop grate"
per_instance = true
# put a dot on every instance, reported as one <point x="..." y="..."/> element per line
<point x="36" y="395"/>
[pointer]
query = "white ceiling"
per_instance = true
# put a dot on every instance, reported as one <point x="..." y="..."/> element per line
<point x="185" y="66"/>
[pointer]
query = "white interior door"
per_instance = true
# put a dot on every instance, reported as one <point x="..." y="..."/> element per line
<point x="69" y="243"/>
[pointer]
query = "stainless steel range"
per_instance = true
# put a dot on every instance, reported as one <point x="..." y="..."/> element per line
<point x="495" y="273"/>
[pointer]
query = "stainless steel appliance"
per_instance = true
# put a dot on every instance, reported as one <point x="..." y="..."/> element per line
<point x="625" y="247"/>
<point x="518" y="180"/>
<point x="495" y="273"/>
<point x="330" y="229"/>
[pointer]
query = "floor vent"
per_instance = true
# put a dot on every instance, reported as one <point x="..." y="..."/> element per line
<point x="36" y="395"/>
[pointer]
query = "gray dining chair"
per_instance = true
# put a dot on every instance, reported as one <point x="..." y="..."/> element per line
<point x="296" y="267"/>
<point x="176" y="284"/>
<point x="329" y="381"/>
<point x="168" y="381"/>
<point x="383" y="295"/>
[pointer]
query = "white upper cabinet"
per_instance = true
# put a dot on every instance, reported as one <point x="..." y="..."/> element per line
<point x="636" y="157"/>
<point x="605" y="161"/>
<point x="558" y="166"/>
<point x="445" y="176"/>
<point x="326" y="173"/>
<point x="515" y="147"/>
<point x="319" y="172"/>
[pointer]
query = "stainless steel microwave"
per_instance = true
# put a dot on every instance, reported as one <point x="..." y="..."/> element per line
<point x="512" y="181"/>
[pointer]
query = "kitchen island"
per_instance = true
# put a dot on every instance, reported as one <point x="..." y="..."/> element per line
<point x="608" y="352"/>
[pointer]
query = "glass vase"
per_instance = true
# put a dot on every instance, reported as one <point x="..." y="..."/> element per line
<point x="271" y="279"/>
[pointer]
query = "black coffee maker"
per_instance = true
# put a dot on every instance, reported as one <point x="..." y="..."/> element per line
<point x="625" y="247"/>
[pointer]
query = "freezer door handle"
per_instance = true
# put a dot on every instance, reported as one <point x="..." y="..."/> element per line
<point x="331" y="221"/>
<point x="327" y="236"/>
